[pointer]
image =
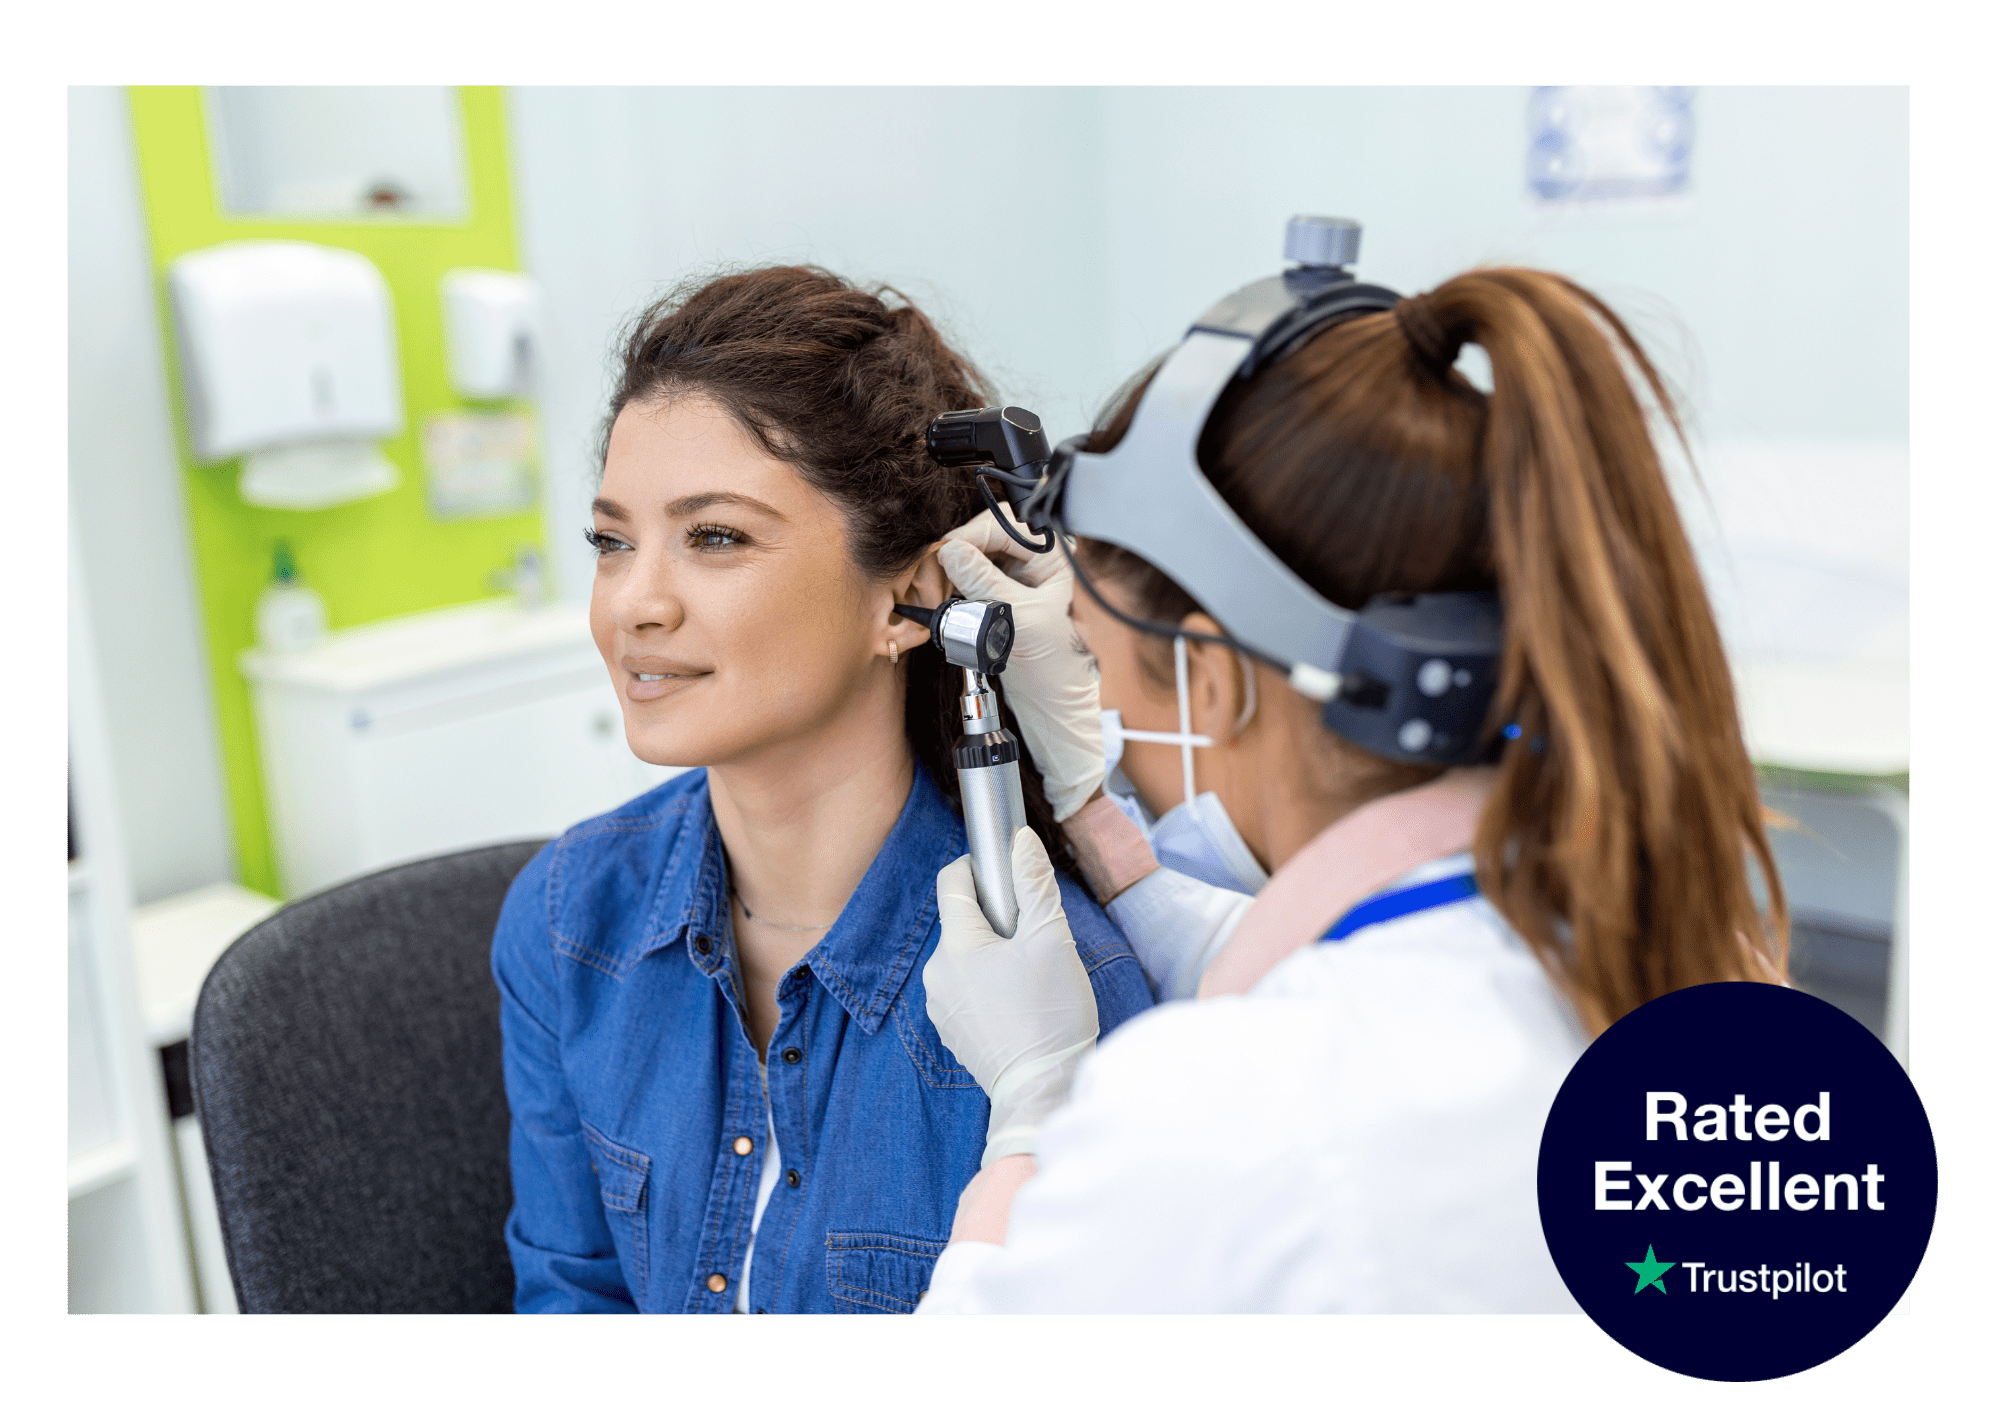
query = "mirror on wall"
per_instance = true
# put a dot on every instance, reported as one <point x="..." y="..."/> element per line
<point x="340" y="153"/>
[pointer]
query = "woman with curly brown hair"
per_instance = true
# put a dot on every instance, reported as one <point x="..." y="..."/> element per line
<point x="726" y="1091"/>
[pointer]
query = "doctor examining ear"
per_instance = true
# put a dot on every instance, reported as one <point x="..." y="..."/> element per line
<point x="1488" y="754"/>
<point x="1149" y="817"/>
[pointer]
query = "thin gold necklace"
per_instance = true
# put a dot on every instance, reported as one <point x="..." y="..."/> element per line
<point x="787" y="927"/>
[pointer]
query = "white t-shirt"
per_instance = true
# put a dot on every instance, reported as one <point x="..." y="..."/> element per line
<point x="1358" y="1133"/>
<point x="766" y="1181"/>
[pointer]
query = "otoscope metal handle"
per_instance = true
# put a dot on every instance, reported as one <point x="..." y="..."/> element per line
<point x="993" y="812"/>
<point x="989" y="789"/>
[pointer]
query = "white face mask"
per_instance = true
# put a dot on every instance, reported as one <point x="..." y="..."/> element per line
<point x="1196" y="837"/>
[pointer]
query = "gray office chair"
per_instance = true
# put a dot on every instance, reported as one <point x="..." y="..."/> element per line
<point x="345" y="1062"/>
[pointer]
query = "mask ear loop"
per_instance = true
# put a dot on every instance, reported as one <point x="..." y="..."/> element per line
<point x="1187" y="723"/>
<point x="1185" y="738"/>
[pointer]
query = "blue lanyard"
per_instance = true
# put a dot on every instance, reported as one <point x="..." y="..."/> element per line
<point x="1415" y="899"/>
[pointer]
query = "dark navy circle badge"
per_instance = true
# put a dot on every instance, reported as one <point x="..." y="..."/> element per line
<point x="1737" y="1181"/>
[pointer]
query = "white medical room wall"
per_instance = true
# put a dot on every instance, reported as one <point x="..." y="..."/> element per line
<point x="1774" y="294"/>
<point x="131" y="512"/>
<point x="1782" y="271"/>
<point x="978" y="204"/>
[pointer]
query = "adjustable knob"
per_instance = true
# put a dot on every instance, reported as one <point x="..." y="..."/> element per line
<point x="1322" y="240"/>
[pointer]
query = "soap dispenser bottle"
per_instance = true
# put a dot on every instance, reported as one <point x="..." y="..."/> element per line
<point x="290" y="616"/>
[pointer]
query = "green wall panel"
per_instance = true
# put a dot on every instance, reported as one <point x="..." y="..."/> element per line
<point x="371" y="559"/>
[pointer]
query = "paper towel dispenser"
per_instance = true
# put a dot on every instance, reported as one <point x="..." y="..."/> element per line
<point x="288" y="356"/>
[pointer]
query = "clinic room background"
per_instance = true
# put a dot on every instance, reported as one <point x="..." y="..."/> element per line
<point x="356" y="648"/>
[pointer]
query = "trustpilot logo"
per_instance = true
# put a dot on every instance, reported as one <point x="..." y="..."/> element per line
<point x="1704" y="1278"/>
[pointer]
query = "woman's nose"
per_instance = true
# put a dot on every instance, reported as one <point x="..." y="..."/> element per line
<point x="644" y="598"/>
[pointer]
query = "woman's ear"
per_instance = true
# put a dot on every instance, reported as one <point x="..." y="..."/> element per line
<point x="923" y="583"/>
<point x="926" y="582"/>
<point x="1217" y="692"/>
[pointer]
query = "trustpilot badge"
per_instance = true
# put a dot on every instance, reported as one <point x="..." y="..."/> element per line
<point x="1737" y="1181"/>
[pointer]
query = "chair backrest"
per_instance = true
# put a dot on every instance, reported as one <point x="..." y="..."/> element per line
<point x="346" y="1067"/>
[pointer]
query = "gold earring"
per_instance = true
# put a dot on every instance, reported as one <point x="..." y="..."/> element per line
<point x="893" y="652"/>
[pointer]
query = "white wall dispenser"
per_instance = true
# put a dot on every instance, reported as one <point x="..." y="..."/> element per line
<point x="288" y="354"/>
<point x="489" y="327"/>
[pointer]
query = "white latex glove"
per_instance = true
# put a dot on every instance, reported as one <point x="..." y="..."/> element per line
<point x="1017" y="1012"/>
<point x="1050" y="685"/>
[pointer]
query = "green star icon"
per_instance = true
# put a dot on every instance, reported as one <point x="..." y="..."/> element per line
<point x="1650" y="1271"/>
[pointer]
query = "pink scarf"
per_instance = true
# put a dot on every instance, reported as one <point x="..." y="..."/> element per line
<point x="1354" y="857"/>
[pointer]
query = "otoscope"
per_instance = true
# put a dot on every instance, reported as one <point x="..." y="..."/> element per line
<point x="976" y="635"/>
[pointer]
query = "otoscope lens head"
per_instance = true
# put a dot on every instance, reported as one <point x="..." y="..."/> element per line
<point x="999" y="638"/>
<point x="975" y="633"/>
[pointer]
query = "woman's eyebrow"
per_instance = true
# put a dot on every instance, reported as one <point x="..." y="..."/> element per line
<point x="609" y="509"/>
<point x="701" y="501"/>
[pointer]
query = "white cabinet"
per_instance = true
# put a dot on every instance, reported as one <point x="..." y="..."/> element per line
<point x="437" y="732"/>
<point x="93" y="1108"/>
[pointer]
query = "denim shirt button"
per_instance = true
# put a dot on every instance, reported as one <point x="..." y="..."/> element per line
<point x="793" y="1055"/>
<point x="701" y="943"/>
<point x="716" y="1281"/>
<point x="742" y="1144"/>
<point x="792" y="1177"/>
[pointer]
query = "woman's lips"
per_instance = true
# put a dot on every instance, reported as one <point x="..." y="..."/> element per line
<point x="641" y="689"/>
<point x="649" y="680"/>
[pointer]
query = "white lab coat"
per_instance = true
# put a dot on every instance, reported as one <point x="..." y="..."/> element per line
<point x="1358" y="1133"/>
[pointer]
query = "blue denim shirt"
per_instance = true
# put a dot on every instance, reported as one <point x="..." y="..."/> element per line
<point x="634" y="1083"/>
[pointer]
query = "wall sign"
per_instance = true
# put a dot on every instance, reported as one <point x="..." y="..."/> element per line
<point x="1599" y="144"/>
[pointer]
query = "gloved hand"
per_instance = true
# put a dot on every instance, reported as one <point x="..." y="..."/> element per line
<point x="1017" y="1012"/>
<point x="1050" y="685"/>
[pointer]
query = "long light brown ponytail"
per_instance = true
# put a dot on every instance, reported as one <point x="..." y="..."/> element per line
<point x="1620" y="836"/>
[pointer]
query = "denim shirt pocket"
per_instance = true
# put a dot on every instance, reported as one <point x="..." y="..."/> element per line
<point x="879" y="1271"/>
<point x="934" y="1062"/>
<point x="621" y="1182"/>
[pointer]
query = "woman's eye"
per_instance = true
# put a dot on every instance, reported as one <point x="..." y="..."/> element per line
<point x="601" y="543"/>
<point x="713" y="537"/>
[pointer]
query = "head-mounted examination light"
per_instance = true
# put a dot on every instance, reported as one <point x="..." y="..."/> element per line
<point x="1410" y="677"/>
